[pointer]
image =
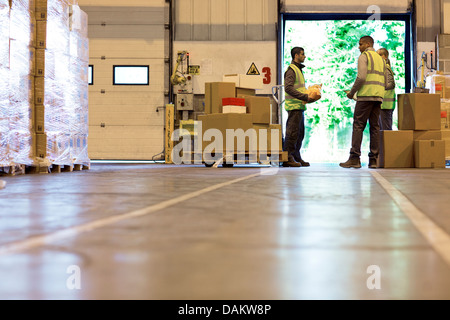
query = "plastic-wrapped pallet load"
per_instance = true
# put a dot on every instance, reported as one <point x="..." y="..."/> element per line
<point x="52" y="84"/>
<point x="4" y="84"/>
<point x="78" y="91"/>
<point x="21" y="81"/>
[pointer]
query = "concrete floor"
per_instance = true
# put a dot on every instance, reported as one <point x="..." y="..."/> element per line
<point x="155" y="231"/>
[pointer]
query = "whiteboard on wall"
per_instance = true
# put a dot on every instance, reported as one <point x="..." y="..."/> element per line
<point x="219" y="58"/>
<point x="347" y="6"/>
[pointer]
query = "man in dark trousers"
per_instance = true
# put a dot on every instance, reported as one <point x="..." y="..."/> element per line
<point x="370" y="86"/>
<point x="388" y="106"/>
<point x="295" y="105"/>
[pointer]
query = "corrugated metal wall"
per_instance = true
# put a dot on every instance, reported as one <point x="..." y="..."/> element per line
<point x="345" y="6"/>
<point x="225" y="20"/>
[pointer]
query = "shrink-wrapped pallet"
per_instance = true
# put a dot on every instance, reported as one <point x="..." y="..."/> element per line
<point x="4" y="83"/>
<point x="21" y="81"/>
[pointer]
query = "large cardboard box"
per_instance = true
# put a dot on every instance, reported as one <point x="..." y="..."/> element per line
<point x="396" y="149"/>
<point x="222" y="122"/>
<point x="245" y="92"/>
<point x="264" y="133"/>
<point x="244" y="80"/>
<point x="446" y="138"/>
<point x="427" y="135"/>
<point x="419" y="111"/>
<point x="429" y="153"/>
<point x="215" y="92"/>
<point x="259" y="108"/>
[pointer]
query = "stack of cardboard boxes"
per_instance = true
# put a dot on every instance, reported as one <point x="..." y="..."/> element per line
<point x="419" y="142"/>
<point x="440" y="84"/>
<point x="230" y="107"/>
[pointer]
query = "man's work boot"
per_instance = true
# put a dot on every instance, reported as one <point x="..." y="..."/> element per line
<point x="352" y="162"/>
<point x="291" y="163"/>
<point x="300" y="160"/>
<point x="373" y="163"/>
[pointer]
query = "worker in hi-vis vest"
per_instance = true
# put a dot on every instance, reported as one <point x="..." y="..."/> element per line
<point x="295" y="104"/>
<point x="370" y="87"/>
<point x="388" y="105"/>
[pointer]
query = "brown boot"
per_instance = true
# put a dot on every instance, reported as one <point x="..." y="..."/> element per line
<point x="300" y="160"/>
<point x="291" y="163"/>
<point x="352" y="162"/>
<point x="373" y="163"/>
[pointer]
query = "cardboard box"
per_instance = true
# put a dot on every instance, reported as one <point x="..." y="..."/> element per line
<point x="222" y="122"/>
<point x="266" y="134"/>
<point x="41" y="9"/>
<point x="419" y="111"/>
<point x="446" y="138"/>
<point x="40" y="62"/>
<point x="245" y="92"/>
<point x="244" y="80"/>
<point x="429" y="153"/>
<point x="39" y="118"/>
<point x="259" y="108"/>
<point x="233" y="102"/>
<point x="234" y="109"/>
<point x="40" y="146"/>
<point x="214" y="92"/>
<point x="39" y="90"/>
<point x="396" y="149"/>
<point x="427" y="135"/>
<point x="41" y="34"/>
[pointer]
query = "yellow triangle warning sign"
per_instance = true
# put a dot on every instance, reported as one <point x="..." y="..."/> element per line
<point x="253" y="70"/>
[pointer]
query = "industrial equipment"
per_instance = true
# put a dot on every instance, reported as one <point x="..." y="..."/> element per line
<point x="183" y="85"/>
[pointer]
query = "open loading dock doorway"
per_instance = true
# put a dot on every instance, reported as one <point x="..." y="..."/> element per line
<point x="331" y="47"/>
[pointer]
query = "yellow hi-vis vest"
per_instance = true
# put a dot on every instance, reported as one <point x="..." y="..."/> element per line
<point x="290" y="102"/>
<point x="389" y="96"/>
<point x="374" y="86"/>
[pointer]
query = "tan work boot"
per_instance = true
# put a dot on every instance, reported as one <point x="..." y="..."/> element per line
<point x="352" y="162"/>
<point x="373" y="163"/>
<point x="291" y="163"/>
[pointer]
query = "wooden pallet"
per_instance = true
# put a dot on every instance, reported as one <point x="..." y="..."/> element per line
<point x="247" y="158"/>
<point x="12" y="170"/>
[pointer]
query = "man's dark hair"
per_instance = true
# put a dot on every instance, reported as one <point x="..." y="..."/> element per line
<point x="367" y="39"/>
<point x="296" y="50"/>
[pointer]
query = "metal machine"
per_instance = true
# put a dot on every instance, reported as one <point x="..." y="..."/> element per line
<point x="182" y="85"/>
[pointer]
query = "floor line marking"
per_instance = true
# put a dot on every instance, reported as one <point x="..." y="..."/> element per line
<point x="436" y="236"/>
<point x="58" y="235"/>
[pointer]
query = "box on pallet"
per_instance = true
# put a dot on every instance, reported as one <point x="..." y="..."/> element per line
<point x="396" y="149"/>
<point x="419" y="111"/>
<point x="244" y="80"/>
<point x="214" y="92"/>
<point x="259" y="108"/>
<point x="440" y="84"/>
<point x="446" y="138"/>
<point x="429" y="154"/>
<point x="234" y="109"/>
<point x="427" y="135"/>
<point x="265" y="134"/>
<point x="222" y="122"/>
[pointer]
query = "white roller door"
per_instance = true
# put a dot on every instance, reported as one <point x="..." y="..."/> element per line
<point x="127" y="121"/>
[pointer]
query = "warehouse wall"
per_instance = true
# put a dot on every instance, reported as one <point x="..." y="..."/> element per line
<point x="127" y="122"/>
<point x="225" y="20"/>
<point x="345" y="6"/>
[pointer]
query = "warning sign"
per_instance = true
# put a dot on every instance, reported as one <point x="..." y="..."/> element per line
<point x="194" y="70"/>
<point x="253" y="70"/>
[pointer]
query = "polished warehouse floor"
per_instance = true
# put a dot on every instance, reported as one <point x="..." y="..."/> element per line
<point x="156" y="231"/>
